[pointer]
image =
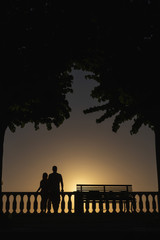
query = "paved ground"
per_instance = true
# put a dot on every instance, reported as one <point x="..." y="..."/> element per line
<point x="134" y="226"/>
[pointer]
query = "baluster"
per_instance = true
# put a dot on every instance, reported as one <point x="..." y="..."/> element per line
<point x="105" y="202"/>
<point x="16" y="203"/>
<point x="110" y="206"/>
<point x="72" y="203"/>
<point x="144" y="200"/>
<point x="118" y="210"/>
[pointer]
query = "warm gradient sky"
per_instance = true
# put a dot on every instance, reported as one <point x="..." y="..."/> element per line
<point x="83" y="151"/>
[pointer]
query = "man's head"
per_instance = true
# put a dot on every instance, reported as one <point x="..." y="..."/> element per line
<point x="54" y="168"/>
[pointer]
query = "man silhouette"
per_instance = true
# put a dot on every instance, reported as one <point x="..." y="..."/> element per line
<point x="54" y="181"/>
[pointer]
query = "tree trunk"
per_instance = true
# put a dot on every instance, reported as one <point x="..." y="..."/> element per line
<point x="157" y="143"/>
<point x="2" y="133"/>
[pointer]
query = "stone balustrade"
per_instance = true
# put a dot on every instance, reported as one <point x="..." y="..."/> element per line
<point x="77" y="202"/>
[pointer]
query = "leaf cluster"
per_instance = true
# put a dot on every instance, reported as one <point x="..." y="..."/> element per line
<point x="39" y="48"/>
<point x="127" y="66"/>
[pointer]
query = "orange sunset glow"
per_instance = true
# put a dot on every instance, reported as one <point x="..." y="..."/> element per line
<point x="83" y="151"/>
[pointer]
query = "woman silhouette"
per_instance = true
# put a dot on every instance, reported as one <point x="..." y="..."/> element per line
<point x="43" y="188"/>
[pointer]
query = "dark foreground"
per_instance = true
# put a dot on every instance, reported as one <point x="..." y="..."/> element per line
<point x="133" y="225"/>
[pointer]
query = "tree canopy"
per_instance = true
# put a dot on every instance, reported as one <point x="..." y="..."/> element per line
<point x="128" y="70"/>
<point x="35" y="74"/>
<point x="41" y="44"/>
<point x="127" y="67"/>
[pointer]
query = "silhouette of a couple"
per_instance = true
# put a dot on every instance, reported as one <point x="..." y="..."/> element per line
<point x="50" y="189"/>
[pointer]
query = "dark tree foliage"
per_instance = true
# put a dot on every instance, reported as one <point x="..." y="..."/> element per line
<point x="128" y="68"/>
<point x="35" y="73"/>
<point x="40" y="44"/>
<point x="128" y="72"/>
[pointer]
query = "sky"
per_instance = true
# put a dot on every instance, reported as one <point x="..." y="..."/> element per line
<point x="84" y="152"/>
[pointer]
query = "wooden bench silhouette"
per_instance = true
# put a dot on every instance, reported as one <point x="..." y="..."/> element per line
<point x="107" y="194"/>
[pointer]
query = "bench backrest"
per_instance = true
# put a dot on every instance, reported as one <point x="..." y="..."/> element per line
<point x="103" y="188"/>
